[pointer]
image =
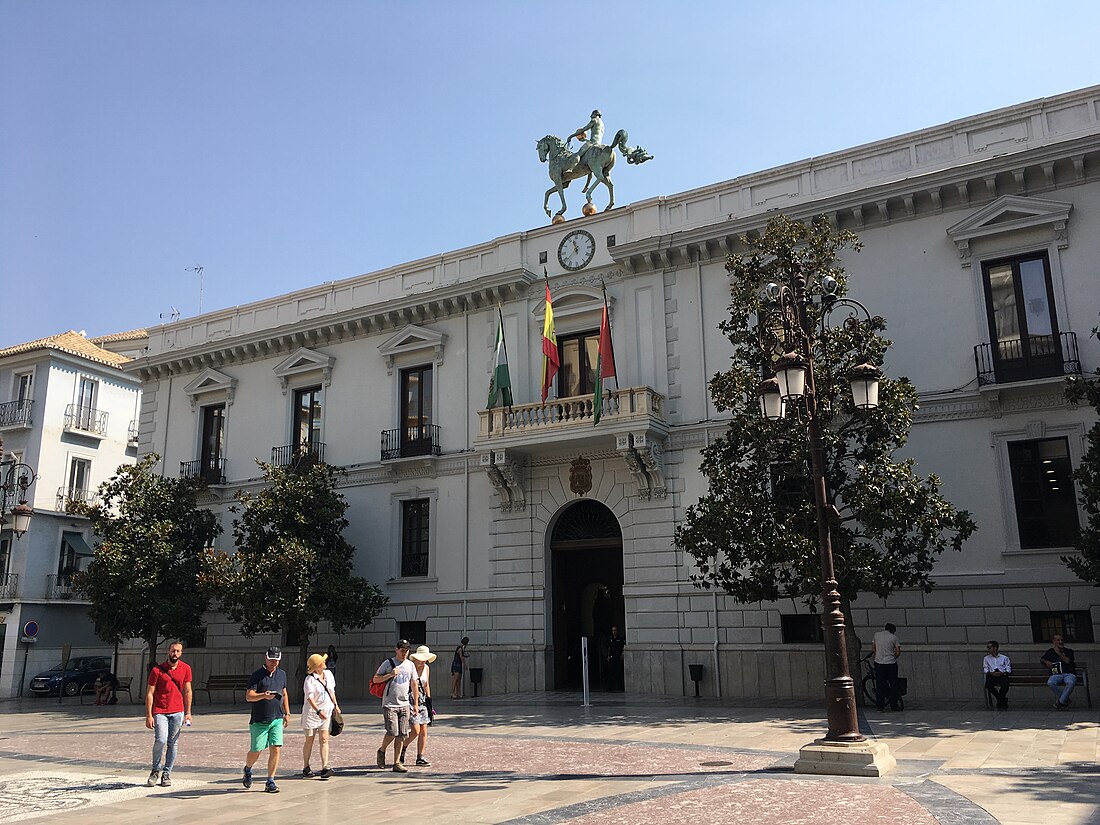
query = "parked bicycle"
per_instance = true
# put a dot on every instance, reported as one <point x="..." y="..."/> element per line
<point x="868" y="683"/>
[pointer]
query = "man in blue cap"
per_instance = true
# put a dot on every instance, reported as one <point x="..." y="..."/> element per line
<point x="270" y="712"/>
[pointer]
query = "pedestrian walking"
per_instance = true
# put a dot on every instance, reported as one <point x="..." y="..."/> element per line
<point x="458" y="665"/>
<point x="400" y="700"/>
<point x="318" y="705"/>
<point x="886" y="648"/>
<point x="167" y="709"/>
<point x="270" y="712"/>
<point x="420" y="721"/>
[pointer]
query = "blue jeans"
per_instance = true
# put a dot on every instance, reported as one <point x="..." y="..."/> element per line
<point x="1061" y="684"/>
<point x="167" y="727"/>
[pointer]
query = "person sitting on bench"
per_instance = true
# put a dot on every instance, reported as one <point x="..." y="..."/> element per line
<point x="996" y="667"/>
<point x="105" y="686"/>
<point x="1063" y="674"/>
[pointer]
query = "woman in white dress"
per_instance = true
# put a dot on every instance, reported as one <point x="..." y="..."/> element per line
<point x="418" y="725"/>
<point x="317" y="708"/>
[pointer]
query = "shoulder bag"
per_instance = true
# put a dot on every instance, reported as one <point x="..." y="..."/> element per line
<point x="336" y="721"/>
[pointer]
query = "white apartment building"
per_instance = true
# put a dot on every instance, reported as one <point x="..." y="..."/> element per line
<point x="70" y="412"/>
<point x="981" y="241"/>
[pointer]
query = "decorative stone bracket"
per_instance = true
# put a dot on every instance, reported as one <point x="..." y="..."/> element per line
<point x="644" y="458"/>
<point x="506" y="476"/>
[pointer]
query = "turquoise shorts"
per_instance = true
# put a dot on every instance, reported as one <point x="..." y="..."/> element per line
<point x="266" y="734"/>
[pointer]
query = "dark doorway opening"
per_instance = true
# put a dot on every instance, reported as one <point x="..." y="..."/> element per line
<point x="586" y="559"/>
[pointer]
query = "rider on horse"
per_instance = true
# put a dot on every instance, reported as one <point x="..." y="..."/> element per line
<point x="595" y="127"/>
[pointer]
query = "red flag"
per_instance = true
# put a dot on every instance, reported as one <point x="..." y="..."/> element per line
<point x="550" y="358"/>
<point x="605" y="365"/>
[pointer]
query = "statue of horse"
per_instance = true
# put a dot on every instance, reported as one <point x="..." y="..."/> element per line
<point x="595" y="162"/>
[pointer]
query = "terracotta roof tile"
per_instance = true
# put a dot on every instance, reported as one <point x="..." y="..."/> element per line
<point x="132" y="335"/>
<point x="73" y="343"/>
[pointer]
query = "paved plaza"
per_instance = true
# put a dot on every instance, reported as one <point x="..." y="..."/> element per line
<point x="546" y="759"/>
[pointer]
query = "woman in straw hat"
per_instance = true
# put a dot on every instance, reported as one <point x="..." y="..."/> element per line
<point x="419" y="724"/>
<point x="317" y="709"/>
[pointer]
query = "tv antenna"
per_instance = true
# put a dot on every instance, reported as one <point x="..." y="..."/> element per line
<point x="197" y="268"/>
<point x="174" y="315"/>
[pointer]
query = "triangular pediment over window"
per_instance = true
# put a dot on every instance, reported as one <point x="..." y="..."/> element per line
<point x="211" y="381"/>
<point x="1011" y="213"/>
<point x="411" y="340"/>
<point x="301" y="362"/>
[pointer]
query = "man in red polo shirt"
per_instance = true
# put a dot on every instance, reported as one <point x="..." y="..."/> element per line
<point x="167" y="708"/>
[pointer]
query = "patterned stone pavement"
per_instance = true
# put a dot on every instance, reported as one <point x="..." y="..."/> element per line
<point x="545" y="759"/>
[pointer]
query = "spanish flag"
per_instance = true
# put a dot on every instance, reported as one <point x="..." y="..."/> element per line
<point x="550" y="358"/>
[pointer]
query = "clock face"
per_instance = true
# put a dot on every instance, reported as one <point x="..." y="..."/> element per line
<point x="576" y="250"/>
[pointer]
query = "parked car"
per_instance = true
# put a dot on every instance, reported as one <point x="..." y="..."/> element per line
<point x="81" y="671"/>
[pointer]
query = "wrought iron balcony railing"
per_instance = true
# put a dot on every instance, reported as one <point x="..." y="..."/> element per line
<point x="212" y="471"/>
<point x="67" y="496"/>
<point x="9" y="585"/>
<point x="16" y="413"/>
<point x="60" y="587"/>
<point x="293" y="454"/>
<point x="1025" y="359"/>
<point x="86" y="420"/>
<point x="407" y="442"/>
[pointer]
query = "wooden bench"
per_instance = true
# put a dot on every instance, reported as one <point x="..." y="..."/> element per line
<point x="1036" y="676"/>
<point x="231" y="682"/>
<point x="123" y="684"/>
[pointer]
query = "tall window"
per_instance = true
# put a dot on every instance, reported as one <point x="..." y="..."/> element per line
<point x="578" y="354"/>
<point x="80" y="475"/>
<point x="416" y="410"/>
<point x="414" y="537"/>
<point x="24" y="386"/>
<point x="73" y="557"/>
<point x="307" y="416"/>
<point x="5" y="557"/>
<point x="213" y="442"/>
<point x="1042" y="485"/>
<point x="1022" y="325"/>
<point x="86" y="396"/>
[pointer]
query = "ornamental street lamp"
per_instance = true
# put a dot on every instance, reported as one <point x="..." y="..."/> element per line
<point x="15" y="478"/>
<point x="787" y="328"/>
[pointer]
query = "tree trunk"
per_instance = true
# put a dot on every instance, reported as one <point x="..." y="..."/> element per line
<point x="151" y="641"/>
<point x="854" y="649"/>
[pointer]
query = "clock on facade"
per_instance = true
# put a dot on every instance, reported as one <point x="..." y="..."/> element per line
<point x="576" y="250"/>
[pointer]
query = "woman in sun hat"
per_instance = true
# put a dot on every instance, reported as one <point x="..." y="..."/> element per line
<point x="419" y="723"/>
<point x="318" y="704"/>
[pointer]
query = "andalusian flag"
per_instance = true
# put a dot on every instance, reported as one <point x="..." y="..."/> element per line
<point x="550" y="358"/>
<point x="605" y="363"/>
<point x="500" y="385"/>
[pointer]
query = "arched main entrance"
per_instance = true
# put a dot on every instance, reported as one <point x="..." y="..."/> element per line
<point x="586" y="563"/>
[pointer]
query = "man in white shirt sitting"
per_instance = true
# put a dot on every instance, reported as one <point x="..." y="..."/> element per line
<point x="996" y="667"/>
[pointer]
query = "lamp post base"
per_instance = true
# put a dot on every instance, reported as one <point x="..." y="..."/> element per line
<point x="866" y="758"/>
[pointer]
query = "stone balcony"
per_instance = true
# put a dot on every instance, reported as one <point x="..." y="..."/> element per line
<point x="632" y="424"/>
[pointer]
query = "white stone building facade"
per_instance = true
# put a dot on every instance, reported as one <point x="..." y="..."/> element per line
<point x="981" y="239"/>
<point x="70" y="412"/>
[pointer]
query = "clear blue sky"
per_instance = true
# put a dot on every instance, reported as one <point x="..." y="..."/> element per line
<point x="283" y="144"/>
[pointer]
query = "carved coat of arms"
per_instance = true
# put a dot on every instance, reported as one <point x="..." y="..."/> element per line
<point x="580" y="475"/>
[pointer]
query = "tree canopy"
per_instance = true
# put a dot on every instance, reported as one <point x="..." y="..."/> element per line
<point x="1086" y="563"/>
<point x="293" y="568"/>
<point x="143" y="579"/>
<point x="753" y="533"/>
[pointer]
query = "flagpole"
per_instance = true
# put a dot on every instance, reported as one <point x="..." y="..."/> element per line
<point x="610" y="335"/>
<point x="503" y="337"/>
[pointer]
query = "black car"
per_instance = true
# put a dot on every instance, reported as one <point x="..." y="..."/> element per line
<point x="81" y="671"/>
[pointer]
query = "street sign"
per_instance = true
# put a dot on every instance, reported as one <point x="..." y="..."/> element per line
<point x="28" y="639"/>
<point x="30" y="629"/>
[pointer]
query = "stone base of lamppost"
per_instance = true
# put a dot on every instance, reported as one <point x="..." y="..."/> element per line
<point x="866" y="758"/>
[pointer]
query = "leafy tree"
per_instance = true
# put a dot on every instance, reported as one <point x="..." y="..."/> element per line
<point x="753" y="534"/>
<point x="1086" y="564"/>
<point x="143" y="581"/>
<point x="293" y="568"/>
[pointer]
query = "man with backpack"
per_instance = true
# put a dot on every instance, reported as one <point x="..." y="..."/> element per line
<point x="400" y="701"/>
<point x="167" y="707"/>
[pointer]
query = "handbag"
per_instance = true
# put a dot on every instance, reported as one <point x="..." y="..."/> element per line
<point x="427" y="703"/>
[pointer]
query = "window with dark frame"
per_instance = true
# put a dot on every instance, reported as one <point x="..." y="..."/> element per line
<point x="1023" y="327"/>
<point x="578" y="355"/>
<point x="414" y="537"/>
<point x="415" y="632"/>
<point x="1042" y="487"/>
<point x="213" y="442"/>
<point x="196" y="638"/>
<point x="416" y="410"/>
<point x="801" y="628"/>
<point x="307" y="416"/>
<point x="1071" y="625"/>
